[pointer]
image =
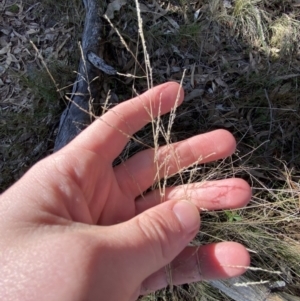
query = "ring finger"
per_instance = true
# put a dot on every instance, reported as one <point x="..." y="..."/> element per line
<point x="211" y="195"/>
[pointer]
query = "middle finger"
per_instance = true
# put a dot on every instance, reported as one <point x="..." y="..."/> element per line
<point x="147" y="167"/>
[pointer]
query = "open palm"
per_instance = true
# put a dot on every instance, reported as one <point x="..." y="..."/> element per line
<point x="79" y="186"/>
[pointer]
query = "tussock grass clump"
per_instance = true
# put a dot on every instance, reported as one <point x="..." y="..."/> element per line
<point x="285" y="35"/>
<point x="250" y="21"/>
<point x="246" y="19"/>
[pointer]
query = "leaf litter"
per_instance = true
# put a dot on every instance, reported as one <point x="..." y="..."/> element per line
<point x="26" y="94"/>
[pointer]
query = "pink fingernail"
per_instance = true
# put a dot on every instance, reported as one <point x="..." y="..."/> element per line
<point x="188" y="215"/>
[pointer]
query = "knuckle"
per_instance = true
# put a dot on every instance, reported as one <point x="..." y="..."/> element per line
<point x="158" y="229"/>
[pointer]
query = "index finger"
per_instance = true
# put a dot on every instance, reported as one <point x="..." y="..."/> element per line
<point x="109" y="134"/>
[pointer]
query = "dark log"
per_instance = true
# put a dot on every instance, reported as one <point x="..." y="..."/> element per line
<point x="76" y="116"/>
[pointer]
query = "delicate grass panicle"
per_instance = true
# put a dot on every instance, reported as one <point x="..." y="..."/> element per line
<point x="238" y="62"/>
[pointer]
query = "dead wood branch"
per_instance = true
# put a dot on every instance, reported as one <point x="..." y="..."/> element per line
<point x="76" y="116"/>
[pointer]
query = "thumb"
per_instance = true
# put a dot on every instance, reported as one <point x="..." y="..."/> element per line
<point x="155" y="237"/>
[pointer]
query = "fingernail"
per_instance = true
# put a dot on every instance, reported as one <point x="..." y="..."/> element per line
<point x="188" y="215"/>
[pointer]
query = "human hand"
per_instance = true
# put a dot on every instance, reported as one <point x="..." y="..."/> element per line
<point x="75" y="228"/>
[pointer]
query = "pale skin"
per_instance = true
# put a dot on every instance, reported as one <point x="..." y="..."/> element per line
<point x="75" y="228"/>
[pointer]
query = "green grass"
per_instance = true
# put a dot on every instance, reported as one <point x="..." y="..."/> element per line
<point x="14" y="9"/>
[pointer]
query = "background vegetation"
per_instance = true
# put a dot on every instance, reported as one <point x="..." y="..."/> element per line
<point x="241" y="62"/>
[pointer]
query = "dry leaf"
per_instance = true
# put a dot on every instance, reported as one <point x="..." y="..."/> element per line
<point x="173" y="23"/>
<point x="114" y="6"/>
<point x="193" y="75"/>
<point x="5" y="49"/>
<point x="195" y="93"/>
<point x="220" y="82"/>
<point x="285" y="88"/>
